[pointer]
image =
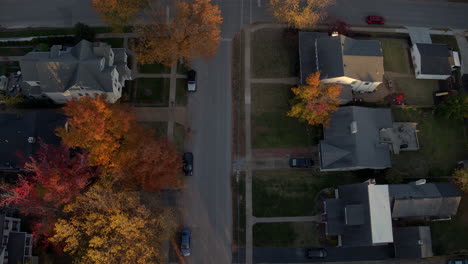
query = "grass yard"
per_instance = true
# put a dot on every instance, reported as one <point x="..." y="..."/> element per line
<point x="451" y="41"/>
<point x="395" y="52"/>
<point x="450" y="237"/>
<point x="274" y="55"/>
<point x="160" y="128"/>
<point x="154" y="68"/>
<point x="291" y="192"/>
<point x="442" y="143"/>
<point x="179" y="137"/>
<point x="285" y="235"/>
<point x="153" y="91"/>
<point x="238" y="210"/>
<point x="417" y="92"/>
<point x="271" y="128"/>
<point x="14" y="51"/>
<point x="114" y="42"/>
<point x="181" y="92"/>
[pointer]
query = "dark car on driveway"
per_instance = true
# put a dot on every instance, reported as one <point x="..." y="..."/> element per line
<point x="185" y="242"/>
<point x="188" y="163"/>
<point x="301" y="163"/>
<point x="458" y="261"/>
<point x="191" y="81"/>
<point x="316" y="253"/>
<point x="376" y="20"/>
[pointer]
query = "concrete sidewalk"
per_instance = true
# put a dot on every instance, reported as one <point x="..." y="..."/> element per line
<point x="292" y="219"/>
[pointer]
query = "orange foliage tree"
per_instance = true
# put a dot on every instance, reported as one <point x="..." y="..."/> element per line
<point x="194" y="30"/>
<point x="315" y="102"/>
<point x="118" y="13"/>
<point x="299" y="13"/>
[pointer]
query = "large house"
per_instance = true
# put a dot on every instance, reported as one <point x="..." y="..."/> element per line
<point x="21" y="134"/>
<point x="87" y="69"/>
<point x="362" y="138"/>
<point x="433" y="61"/>
<point x="341" y="59"/>
<point x="363" y="215"/>
<point x="16" y="246"/>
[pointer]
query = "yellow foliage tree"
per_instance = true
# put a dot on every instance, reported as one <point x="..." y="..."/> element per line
<point x="108" y="226"/>
<point x="195" y="29"/>
<point x="315" y="102"/>
<point x="118" y="13"/>
<point x="460" y="177"/>
<point x="299" y="13"/>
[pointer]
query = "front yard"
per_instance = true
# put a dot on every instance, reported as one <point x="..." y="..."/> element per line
<point x="153" y="91"/>
<point x="274" y="54"/>
<point x="395" y="52"/>
<point x="292" y="192"/>
<point x="442" y="143"/>
<point x="303" y="234"/>
<point x="271" y="128"/>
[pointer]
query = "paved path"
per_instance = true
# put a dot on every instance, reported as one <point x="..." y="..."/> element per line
<point x="162" y="114"/>
<point x="419" y="35"/>
<point x="293" y="219"/>
<point x="292" y="80"/>
<point x="172" y="98"/>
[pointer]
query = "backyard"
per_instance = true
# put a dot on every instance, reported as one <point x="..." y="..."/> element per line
<point x="274" y="54"/>
<point x="270" y="126"/>
<point x="417" y="92"/>
<point x="302" y="234"/>
<point x="292" y="192"/>
<point x="442" y="143"/>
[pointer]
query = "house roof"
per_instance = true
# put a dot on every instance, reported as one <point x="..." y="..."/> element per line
<point x="426" y="200"/>
<point x="17" y="128"/>
<point x="413" y="242"/>
<point x="434" y="59"/>
<point x="58" y="71"/>
<point x="342" y="149"/>
<point x="340" y="56"/>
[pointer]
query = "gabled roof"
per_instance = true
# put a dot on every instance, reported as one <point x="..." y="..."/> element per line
<point x="343" y="150"/>
<point x="434" y="59"/>
<point x="426" y="200"/>
<point x="413" y="242"/>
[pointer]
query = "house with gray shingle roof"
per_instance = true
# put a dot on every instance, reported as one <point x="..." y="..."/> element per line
<point x="342" y="60"/>
<point x="87" y="69"/>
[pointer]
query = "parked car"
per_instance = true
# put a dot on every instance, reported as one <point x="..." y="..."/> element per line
<point x="301" y="163"/>
<point x="377" y="20"/>
<point x="191" y="81"/>
<point x="316" y="253"/>
<point x="188" y="163"/>
<point x="185" y="242"/>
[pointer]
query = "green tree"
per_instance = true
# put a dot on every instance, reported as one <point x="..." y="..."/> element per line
<point x="455" y="107"/>
<point x="83" y="31"/>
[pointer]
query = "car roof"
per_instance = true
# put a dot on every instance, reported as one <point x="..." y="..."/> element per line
<point x="191" y="74"/>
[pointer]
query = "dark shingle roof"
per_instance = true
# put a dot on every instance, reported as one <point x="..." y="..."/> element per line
<point x="341" y="149"/>
<point x="434" y="59"/>
<point x="361" y="47"/>
<point x="413" y="242"/>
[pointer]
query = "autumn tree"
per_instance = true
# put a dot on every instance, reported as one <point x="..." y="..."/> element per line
<point x="315" y="102"/>
<point x="53" y="177"/>
<point x="460" y="177"/>
<point x="104" y="129"/>
<point x="107" y="226"/>
<point x="193" y="30"/>
<point x="118" y="13"/>
<point x="153" y="165"/>
<point x="299" y="13"/>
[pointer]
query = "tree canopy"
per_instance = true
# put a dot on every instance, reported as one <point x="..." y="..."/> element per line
<point x="455" y="107"/>
<point x="118" y="13"/>
<point x="299" y="13"/>
<point x="315" y="102"/>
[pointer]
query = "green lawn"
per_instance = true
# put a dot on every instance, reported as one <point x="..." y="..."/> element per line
<point x="14" y="51"/>
<point x="417" y="92"/>
<point x="442" y="143"/>
<point x="153" y="90"/>
<point x="271" y="128"/>
<point x="160" y="128"/>
<point x="285" y="235"/>
<point x="181" y="93"/>
<point x="449" y="237"/>
<point x="274" y="55"/>
<point x="395" y="52"/>
<point x="154" y="68"/>
<point x="291" y="192"/>
<point x="451" y="41"/>
<point x="238" y="210"/>
<point x="179" y="137"/>
<point x="114" y="42"/>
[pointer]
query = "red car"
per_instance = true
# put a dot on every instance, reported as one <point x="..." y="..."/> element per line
<point x="378" y="20"/>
